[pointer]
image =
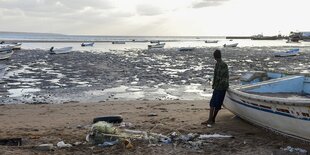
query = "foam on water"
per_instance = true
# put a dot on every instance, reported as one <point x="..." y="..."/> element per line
<point x="19" y="92"/>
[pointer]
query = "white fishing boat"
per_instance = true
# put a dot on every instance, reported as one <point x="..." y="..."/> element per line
<point x="211" y="41"/>
<point x="88" y="44"/>
<point x="2" y="70"/>
<point x="280" y="104"/>
<point x="15" y="46"/>
<point x="118" y="42"/>
<point x="6" y="52"/>
<point x="231" y="45"/>
<point x="292" y="52"/>
<point x="158" y="45"/>
<point x="60" y="50"/>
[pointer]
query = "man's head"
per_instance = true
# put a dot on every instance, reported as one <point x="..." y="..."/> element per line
<point x="217" y="55"/>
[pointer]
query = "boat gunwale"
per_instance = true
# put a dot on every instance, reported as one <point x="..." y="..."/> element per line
<point x="237" y="90"/>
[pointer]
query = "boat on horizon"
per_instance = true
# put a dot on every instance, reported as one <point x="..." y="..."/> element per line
<point x="118" y="42"/>
<point x="274" y="101"/>
<point x="60" y="50"/>
<point x="88" y="44"/>
<point x="262" y="37"/>
<point x="211" y="41"/>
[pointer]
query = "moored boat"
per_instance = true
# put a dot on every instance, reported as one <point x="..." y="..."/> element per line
<point x="211" y="41"/>
<point x="231" y="45"/>
<point x="60" y="50"/>
<point x="88" y="44"/>
<point x="6" y="52"/>
<point x="261" y="37"/>
<point x="292" y="52"/>
<point x="2" y="70"/>
<point x="158" y="45"/>
<point x="280" y="104"/>
<point x="118" y="42"/>
<point x="14" y="46"/>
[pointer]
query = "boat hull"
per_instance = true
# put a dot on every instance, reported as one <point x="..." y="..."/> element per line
<point x="285" y="119"/>
<point x="2" y="70"/>
<point x="156" y="46"/>
<point x="87" y="44"/>
<point x="61" y="50"/>
<point x="230" y="45"/>
<point x="6" y="54"/>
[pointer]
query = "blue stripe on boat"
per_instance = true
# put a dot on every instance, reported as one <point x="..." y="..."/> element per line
<point x="270" y="111"/>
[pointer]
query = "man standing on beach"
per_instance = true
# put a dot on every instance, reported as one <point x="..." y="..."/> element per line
<point x="219" y="85"/>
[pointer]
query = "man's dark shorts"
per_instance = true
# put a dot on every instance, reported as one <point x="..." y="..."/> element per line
<point x="217" y="99"/>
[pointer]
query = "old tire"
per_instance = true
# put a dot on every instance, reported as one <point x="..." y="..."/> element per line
<point x="109" y="119"/>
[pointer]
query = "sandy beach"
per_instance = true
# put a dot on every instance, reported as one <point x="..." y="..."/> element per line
<point x="52" y="98"/>
<point x="41" y="124"/>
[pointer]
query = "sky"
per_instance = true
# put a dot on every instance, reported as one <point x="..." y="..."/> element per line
<point x="155" y="17"/>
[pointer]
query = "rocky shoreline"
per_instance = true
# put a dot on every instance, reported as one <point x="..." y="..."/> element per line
<point x="34" y="76"/>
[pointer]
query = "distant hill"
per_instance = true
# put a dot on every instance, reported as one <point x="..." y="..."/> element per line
<point x="28" y="33"/>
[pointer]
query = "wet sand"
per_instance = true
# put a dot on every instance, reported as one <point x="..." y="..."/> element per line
<point x="135" y="74"/>
<point x="41" y="124"/>
<point x="70" y="90"/>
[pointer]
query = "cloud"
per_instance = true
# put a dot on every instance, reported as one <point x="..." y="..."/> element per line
<point x="207" y="3"/>
<point x="53" y="6"/>
<point x="148" y="10"/>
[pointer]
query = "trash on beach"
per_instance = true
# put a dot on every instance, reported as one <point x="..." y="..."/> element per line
<point x="109" y="119"/>
<point x="11" y="141"/>
<point x="292" y="149"/>
<point x="128" y="144"/>
<point x="102" y="132"/>
<point x="62" y="144"/>
<point x="152" y="114"/>
<point x="108" y="143"/>
<point x="126" y="125"/>
<point x="45" y="147"/>
<point x="214" y="136"/>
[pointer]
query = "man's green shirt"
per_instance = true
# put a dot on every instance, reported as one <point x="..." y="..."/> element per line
<point x="220" y="76"/>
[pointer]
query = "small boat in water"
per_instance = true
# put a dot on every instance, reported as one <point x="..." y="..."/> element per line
<point x="6" y="52"/>
<point x="231" y="45"/>
<point x="60" y="50"/>
<point x="88" y="44"/>
<point x="2" y="70"/>
<point x="118" y="42"/>
<point x="14" y="46"/>
<point x="292" y="52"/>
<point x="281" y="103"/>
<point x="211" y="41"/>
<point x="158" y="45"/>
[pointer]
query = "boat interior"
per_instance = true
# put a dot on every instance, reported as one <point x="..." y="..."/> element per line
<point x="279" y="85"/>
